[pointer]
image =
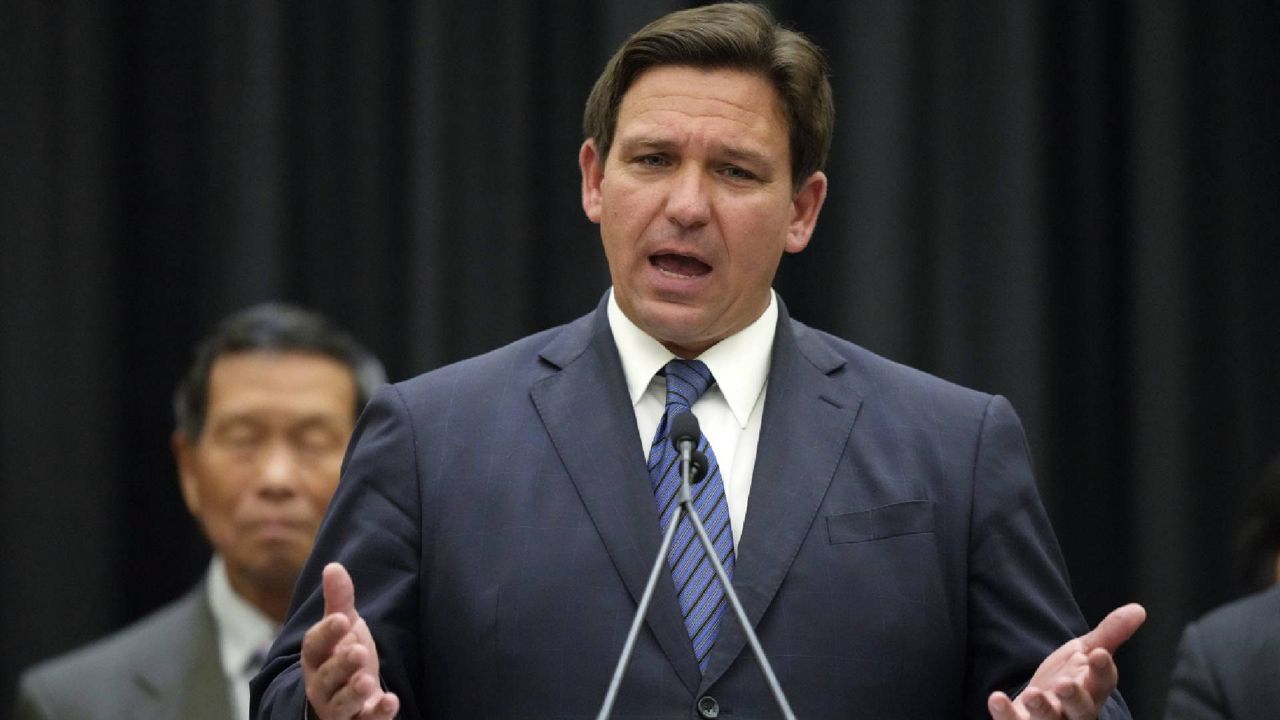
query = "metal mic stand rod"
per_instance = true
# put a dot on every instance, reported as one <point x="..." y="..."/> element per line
<point x="659" y="564"/>
<point x="687" y="502"/>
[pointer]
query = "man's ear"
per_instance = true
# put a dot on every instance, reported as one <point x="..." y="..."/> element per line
<point x="591" y="163"/>
<point x="805" y="205"/>
<point x="184" y="453"/>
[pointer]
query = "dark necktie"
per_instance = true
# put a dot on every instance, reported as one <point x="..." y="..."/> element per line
<point x="701" y="596"/>
<point x="253" y="664"/>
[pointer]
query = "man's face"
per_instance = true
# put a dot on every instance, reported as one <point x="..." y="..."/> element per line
<point x="267" y="462"/>
<point x="695" y="202"/>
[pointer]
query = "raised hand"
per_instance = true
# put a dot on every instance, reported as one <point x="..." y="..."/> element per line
<point x="1076" y="679"/>
<point x="340" y="660"/>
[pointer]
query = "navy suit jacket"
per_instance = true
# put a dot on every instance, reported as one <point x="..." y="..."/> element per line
<point x="1228" y="665"/>
<point x="498" y="521"/>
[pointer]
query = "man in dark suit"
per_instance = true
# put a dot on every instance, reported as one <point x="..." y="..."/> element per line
<point x="263" y="419"/>
<point x="1228" y="663"/>
<point x="498" y="517"/>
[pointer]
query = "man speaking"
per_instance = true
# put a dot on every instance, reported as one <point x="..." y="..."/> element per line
<point x="497" y="518"/>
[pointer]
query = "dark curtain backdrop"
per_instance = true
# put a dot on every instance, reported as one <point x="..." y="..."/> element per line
<point x="1072" y="204"/>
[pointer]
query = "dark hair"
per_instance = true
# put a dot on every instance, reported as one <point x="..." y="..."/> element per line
<point x="1259" y="538"/>
<point x="729" y="35"/>
<point x="271" y="327"/>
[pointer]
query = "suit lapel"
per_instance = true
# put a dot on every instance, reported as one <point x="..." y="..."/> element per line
<point x="181" y="676"/>
<point x="587" y="413"/>
<point x="159" y="690"/>
<point x="808" y="415"/>
<point x="206" y="693"/>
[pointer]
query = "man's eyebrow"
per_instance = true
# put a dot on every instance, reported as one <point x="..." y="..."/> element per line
<point x="658" y="144"/>
<point x="236" y="418"/>
<point x="744" y="155"/>
<point x="646" y="143"/>
<point x="306" y="417"/>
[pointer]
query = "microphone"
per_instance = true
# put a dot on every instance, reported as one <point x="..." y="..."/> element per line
<point x="694" y="466"/>
<point x="685" y="431"/>
<point x="684" y="437"/>
<point x="698" y="465"/>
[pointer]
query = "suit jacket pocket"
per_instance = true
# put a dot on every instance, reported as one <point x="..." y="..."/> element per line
<point x="911" y="517"/>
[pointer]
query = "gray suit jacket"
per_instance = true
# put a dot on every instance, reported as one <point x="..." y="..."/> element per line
<point x="499" y="523"/>
<point x="163" y="666"/>
<point x="1228" y="665"/>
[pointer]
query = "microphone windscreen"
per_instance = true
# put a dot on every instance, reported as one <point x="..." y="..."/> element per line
<point x="698" y="464"/>
<point x="684" y="427"/>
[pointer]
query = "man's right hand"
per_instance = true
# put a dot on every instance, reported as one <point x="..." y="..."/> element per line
<point x="340" y="660"/>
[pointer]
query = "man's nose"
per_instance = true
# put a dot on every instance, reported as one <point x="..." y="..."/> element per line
<point x="689" y="203"/>
<point x="279" y="470"/>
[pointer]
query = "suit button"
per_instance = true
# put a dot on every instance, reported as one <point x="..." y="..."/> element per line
<point x="708" y="707"/>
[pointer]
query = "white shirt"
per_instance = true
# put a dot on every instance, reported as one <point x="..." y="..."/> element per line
<point x="243" y="630"/>
<point x="729" y="413"/>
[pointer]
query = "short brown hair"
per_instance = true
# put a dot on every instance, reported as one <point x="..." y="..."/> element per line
<point x="728" y="35"/>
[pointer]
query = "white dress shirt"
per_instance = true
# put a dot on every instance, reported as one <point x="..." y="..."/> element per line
<point x="729" y="413"/>
<point x="243" y="631"/>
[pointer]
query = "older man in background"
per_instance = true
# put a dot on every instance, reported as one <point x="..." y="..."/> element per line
<point x="263" y="418"/>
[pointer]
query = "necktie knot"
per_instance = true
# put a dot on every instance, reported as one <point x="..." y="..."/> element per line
<point x="686" y="381"/>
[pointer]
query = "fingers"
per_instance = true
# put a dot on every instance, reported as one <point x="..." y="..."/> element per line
<point x="361" y="698"/>
<point x="339" y="657"/>
<point x="1039" y="704"/>
<point x="322" y="639"/>
<point x="339" y="592"/>
<point x="1001" y="707"/>
<point x="352" y="698"/>
<point x="1101" y="678"/>
<point x="338" y="674"/>
<point x="1075" y="702"/>
<point x="344" y="688"/>
<point x="1068" y="700"/>
<point x="1116" y="628"/>
<point x="1081" y="695"/>
<point x="1032" y="704"/>
<point x="383" y="707"/>
<point x="1072" y="683"/>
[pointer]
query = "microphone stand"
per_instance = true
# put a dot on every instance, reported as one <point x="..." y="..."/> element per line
<point x="692" y="463"/>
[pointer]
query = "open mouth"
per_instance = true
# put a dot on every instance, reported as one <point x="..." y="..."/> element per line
<point x="679" y="265"/>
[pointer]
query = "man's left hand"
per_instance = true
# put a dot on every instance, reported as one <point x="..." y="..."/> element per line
<point x="1076" y="679"/>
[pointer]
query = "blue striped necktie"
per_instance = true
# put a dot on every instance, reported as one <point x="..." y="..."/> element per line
<point x="701" y="597"/>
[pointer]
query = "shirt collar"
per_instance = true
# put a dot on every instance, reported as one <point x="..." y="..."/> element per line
<point x="740" y="362"/>
<point x="242" y="628"/>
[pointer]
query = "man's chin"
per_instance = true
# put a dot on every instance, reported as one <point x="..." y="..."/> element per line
<point x="684" y="344"/>
<point x="671" y="322"/>
<point x="278" y="570"/>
